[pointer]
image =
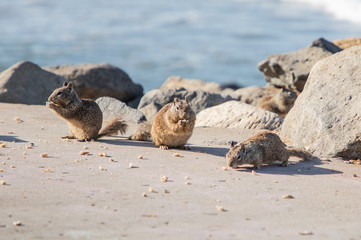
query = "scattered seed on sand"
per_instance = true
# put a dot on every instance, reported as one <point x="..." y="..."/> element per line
<point x="187" y="183"/>
<point x="354" y="175"/>
<point x="140" y="157"/>
<point x="164" y="179"/>
<point x="29" y="147"/>
<point x="102" y="154"/>
<point x="44" y="155"/>
<point x="150" y="190"/>
<point x="45" y="170"/>
<point x="10" y="132"/>
<point x="1" y="170"/>
<point x="144" y="195"/>
<point x="253" y="172"/>
<point x="186" y="177"/>
<point x="166" y="191"/>
<point x="101" y="168"/>
<point x="2" y="182"/>
<point x="305" y="233"/>
<point x="3" y="145"/>
<point x="111" y="160"/>
<point x="224" y="169"/>
<point x="288" y="196"/>
<point x="17" y="223"/>
<point x="131" y="165"/>
<point x="84" y="153"/>
<point x="17" y="120"/>
<point x="220" y="209"/>
<point x="12" y="166"/>
<point x="176" y="155"/>
<point x="247" y="219"/>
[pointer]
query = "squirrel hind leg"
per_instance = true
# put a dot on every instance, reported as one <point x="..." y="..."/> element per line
<point x="69" y="137"/>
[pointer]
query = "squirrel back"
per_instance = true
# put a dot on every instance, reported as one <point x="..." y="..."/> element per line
<point x="84" y="117"/>
<point x="280" y="103"/>
<point x="263" y="148"/>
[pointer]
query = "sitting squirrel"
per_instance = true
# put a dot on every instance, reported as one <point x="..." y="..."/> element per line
<point x="172" y="127"/>
<point x="84" y="117"/>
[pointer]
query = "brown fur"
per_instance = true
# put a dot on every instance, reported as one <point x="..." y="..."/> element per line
<point x="84" y="117"/>
<point x="263" y="148"/>
<point x="280" y="103"/>
<point x="172" y="127"/>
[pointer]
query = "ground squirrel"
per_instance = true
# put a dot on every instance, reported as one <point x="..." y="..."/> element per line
<point x="84" y="117"/>
<point x="281" y="103"/>
<point x="172" y="127"/>
<point x="263" y="148"/>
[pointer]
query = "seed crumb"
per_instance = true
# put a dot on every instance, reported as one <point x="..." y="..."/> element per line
<point x="2" y="182"/>
<point x="12" y="166"/>
<point x="102" y="154"/>
<point x="111" y="159"/>
<point x="224" y="169"/>
<point x="305" y="233"/>
<point x="44" y="155"/>
<point x="17" y="120"/>
<point x="288" y="196"/>
<point x="140" y="157"/>
<point x="17" y="223"/>
<point x="166" y="191"/>
<point x="144" y="195"/>
<point x="186" y="177"/>
<point x="150" y="190"/>
<point x="131" y="165"/>
<point x="3" y="145"/>
<point x="253" y="172"/>
<point x="164" y="179"/>
<point x="101" y="168"/>
<point x="188" y="183"/>
<point x="176" y="155"/>
<point x="220" y="209"/>
<point x="29" y="147"/>
<point x="1" y="170"/>
<point x="84" y="153"/>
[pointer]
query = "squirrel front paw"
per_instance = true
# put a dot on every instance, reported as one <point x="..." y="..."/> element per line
<point x="49" y="104"/>
<point x="183" y="122"/>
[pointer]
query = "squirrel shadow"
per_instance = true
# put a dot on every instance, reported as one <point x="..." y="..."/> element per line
<point x="294" y="168"/>
<point x="11" y="139"/>
<point x="121" y="141"/>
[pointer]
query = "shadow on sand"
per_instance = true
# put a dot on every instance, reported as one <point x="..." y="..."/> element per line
<point x="11" y="139"/>
<point x="310" y="167"/>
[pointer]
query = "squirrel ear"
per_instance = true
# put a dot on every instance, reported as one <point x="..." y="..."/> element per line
<point x="233" y="143"/>
<point x="175" y="100"/>
<point x="70" y="85"/>
<point x="65" y="84"/>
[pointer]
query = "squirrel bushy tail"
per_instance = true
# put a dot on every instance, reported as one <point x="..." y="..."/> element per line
<point x="298" y="152"/>
<point x="143" y="132"/>
<point x="113" y="127"/>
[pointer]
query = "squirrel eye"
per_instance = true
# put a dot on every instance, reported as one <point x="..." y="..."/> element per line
<point x="177" y="107"/>
<point x="59" y="93"/>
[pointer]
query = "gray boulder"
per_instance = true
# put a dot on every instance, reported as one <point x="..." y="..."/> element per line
<point x="112" y="108"/>
<point x="293" y="68"/>
<point x="191" y="84"/>
<point x="97" y="80"/>
<point x="155" y="99"/>
<point x="234" y="114"/>
<point x="27" y="83"/>
<point x="326" y="117"/>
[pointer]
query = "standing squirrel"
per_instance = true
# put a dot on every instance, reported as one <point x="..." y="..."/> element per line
<point x="84" y="117"/>
<point x="263" y="148"/>
<point x="172" y="127"/>
<point x="281" y="103"/>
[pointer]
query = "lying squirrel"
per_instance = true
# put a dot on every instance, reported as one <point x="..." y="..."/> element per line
<point x="263" y="148"/>
<point x="84" y="117"/>
<point x="172" y="127"/>
<point x="281" y="103"/>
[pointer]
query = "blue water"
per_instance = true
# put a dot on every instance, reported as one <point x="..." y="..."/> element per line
<point x="212" y="40"/>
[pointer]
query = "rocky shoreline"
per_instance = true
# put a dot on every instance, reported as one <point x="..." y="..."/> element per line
<point x="217" y="106"/>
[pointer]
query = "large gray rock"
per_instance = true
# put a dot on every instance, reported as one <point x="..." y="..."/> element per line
<point x="251" y="95"/>
<point x="191" y="84"/>
<point x="327" y="115"/>
<point x="27" y="83"/>
<point x="155" y="99"/>
<point x="234" y="114"/>
<point x="99" y="80"/>
<point x="293" y="68"/>
<point x="112" y="108"/>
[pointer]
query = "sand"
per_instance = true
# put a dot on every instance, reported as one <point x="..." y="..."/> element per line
<point x="65" y="195"/>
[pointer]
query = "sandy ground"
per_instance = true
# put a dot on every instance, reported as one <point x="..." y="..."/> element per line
<point x="71" y="196"/>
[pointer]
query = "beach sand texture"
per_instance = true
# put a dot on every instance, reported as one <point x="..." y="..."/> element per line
<point x="133" y="190"/>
